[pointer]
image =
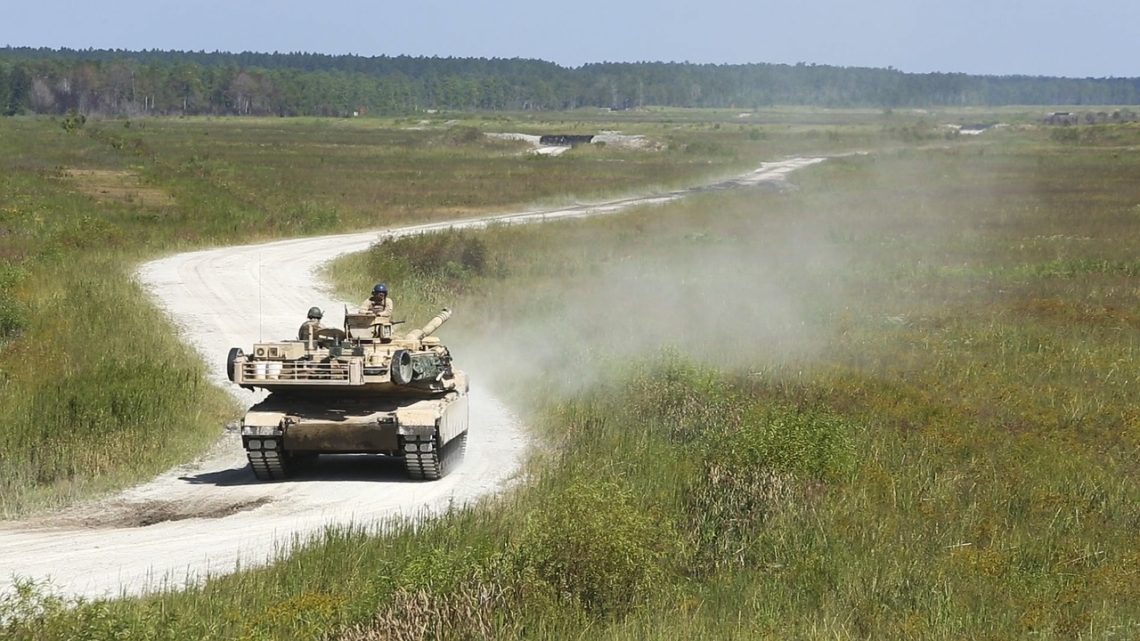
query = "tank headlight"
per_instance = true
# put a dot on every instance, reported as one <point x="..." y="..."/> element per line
<point x="261" y="351"/>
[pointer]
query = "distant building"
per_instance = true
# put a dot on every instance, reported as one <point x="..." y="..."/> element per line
<point x="565" y="140"/>
<point x="1061" y="118"/>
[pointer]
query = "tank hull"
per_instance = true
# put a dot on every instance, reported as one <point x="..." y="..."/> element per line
<point x="360" y="390"/>
<point x="429" y="434"/>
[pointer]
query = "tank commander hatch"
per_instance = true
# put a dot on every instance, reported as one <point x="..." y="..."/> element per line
<point x="378" y="303"/>
<point x="311" y="326"/>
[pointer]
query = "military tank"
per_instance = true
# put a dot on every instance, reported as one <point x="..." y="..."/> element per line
<point x="356" y="390"/>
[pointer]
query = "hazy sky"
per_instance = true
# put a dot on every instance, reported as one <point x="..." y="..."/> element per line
<point x="1036" y="37"/>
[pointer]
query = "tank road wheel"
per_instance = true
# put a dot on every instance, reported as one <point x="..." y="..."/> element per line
<point x="401" y="366"/>
<point x="268" y="458"/>
<point x="235" y="353"/>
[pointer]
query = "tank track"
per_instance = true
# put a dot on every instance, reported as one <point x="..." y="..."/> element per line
<point x="269" y="463"/>
<point x="425" y="460"/>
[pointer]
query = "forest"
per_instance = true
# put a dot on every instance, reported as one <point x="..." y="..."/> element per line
<point x="94" y="82"/>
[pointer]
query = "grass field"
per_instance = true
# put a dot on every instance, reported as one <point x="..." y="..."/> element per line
<point x="897" y="402"/>
<point x="85" y="406"/>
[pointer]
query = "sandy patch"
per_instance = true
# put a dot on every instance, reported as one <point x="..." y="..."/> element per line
<point x="124" y="186"/>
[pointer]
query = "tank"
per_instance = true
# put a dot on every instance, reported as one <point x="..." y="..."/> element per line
<point x="357" y="390"/>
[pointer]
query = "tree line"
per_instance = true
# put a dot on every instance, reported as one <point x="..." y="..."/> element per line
<point x="133" y="83"/>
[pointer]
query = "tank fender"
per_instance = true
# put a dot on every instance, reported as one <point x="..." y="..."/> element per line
<point x="454" y="420"/>
<point x="417" y="422"/>
<point x="262" y="422"/>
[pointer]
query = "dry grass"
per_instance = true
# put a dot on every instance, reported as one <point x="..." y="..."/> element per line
<point x="122" y="186"/>
<point x="472" y="612"/>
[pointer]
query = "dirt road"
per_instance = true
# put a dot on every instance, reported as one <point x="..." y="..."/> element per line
<point x="200" y="519"/>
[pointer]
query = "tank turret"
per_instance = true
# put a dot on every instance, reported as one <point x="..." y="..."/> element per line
<point x="364" y="355"/>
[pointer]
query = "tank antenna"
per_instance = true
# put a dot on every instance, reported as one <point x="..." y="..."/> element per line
<point x="259" y="320"/>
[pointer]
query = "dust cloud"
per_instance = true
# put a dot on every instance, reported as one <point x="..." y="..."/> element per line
<point x="727" y="281"/>
<point x="752" y="280"/>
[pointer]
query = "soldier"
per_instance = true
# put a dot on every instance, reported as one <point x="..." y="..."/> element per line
<point x="379" y="303"/>
<point x="311" y="326"/>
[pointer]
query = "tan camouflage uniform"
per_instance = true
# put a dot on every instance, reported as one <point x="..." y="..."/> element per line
<point x="383" y="309"/>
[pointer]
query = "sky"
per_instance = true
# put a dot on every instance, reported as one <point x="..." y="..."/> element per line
<point x="993" y="37"/>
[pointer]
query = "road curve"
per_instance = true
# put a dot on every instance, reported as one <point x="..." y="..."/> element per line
<point x="203" y="518"/>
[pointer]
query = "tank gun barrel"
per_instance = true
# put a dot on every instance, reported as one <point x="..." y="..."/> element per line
<point x="433" y="324"/>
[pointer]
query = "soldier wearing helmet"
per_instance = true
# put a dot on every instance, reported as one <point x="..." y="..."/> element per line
<point x="311" y="326"/>
<point x="379" y="303"/>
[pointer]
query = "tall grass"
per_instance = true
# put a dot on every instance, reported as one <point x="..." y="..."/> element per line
<point x="970" y="328"/>
<point x="906" y="422"/>
<point x="107" y="371"/>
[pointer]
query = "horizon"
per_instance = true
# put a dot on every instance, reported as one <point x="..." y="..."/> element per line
<point x="1043" y="38"/>
<point x="62" y="49"/>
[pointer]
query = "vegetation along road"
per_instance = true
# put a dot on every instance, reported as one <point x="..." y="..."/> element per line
<point x="204" y="517"/>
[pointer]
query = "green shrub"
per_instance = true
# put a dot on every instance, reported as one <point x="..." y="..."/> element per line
<point x="685" y="400"/>
<point x="27" y="605"/>
<point x="452" y="254"/>
<point x="809" y="444"/>
<point x="594" y="545"/>
<point x="73" y="121"/>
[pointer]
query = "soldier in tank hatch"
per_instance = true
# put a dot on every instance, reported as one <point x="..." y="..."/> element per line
<point x="312" y="325"/>
<point x="379" y="303"/>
